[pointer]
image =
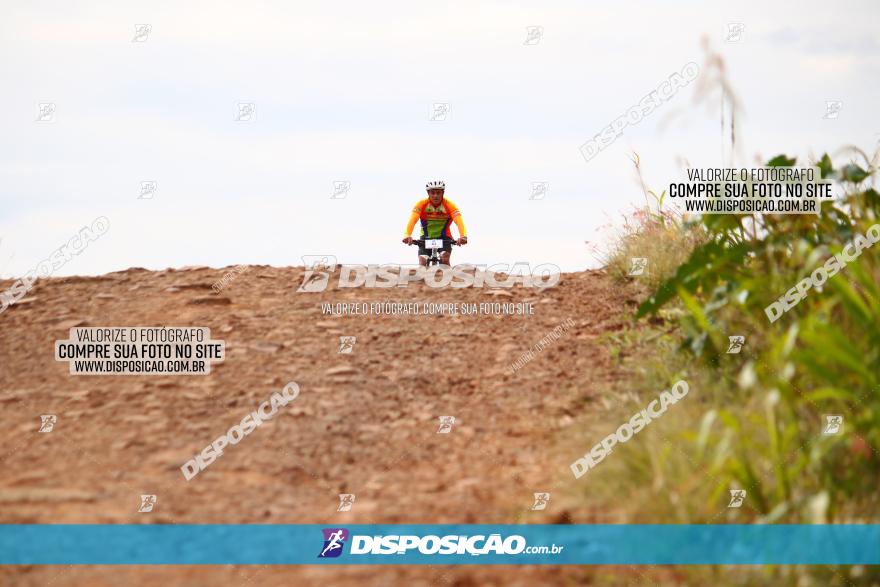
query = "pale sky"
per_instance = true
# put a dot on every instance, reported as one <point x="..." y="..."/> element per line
<point x="344" y="91"/>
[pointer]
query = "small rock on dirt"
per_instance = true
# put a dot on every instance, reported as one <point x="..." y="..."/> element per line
<point x="341" y="370"/>
<point x="211" y="300"/>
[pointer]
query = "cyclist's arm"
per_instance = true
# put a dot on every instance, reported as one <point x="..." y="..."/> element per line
<point x="455" y="213"/>
<point x="411" y="223"/>
<point x="414" y="217"/>
<point x="459" y="222"/>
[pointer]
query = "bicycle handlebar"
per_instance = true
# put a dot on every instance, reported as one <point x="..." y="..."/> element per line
<point x="421" y="241"/>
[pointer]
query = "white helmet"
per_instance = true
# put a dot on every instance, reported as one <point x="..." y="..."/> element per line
<point x="436" y="185"/>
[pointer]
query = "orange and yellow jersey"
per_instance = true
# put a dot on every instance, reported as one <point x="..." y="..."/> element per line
<point x="436" y="219"/>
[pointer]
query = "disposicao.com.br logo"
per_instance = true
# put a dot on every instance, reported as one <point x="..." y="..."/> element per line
<point x="320" y="269"/>
<point x="476" y="545"/>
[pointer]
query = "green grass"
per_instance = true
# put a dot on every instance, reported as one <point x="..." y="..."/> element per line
<point x="753" y="420"/>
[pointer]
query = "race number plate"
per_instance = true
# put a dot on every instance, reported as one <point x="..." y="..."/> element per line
<point x="434" y="243"/>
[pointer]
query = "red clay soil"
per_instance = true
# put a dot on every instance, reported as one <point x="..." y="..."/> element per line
<point x="364" y="423"/>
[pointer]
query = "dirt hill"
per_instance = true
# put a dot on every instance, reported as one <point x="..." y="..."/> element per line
<point x="364" y="423"/>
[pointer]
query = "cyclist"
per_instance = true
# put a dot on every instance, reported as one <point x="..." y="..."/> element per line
<point x="436" y="213"/>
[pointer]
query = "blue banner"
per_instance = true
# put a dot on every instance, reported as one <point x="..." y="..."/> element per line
<point x="267" y="544"/>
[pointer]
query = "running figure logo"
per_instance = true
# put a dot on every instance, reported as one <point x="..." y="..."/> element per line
<point x="346" y="344"/>
<point x="318" y="270"/>
<point x="446" y="423"/>
<point x="737" y="497"/>
<point x="541" y="501"/>
<point x="736" y="344"/>
<point x="46" y="112"/>
<point x="533" y="35"/>
<point x="735" y="32"/>
<point x="47" y="422"/>
<point x="340" y="190"/>
<point x="833" y="425"/>
<point x="334" y="541"/>
<point x="148" y="190"/>
<point x="142" y="33"/>
<point x="346" y="500"/>
<point x="439" y="112"/>
<point x="638" y="265"/>
<point x="147" y="503"/>
<point x="245" y="112"/>
<point x="832" y="109"/>
<point x="539" y="190"/>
